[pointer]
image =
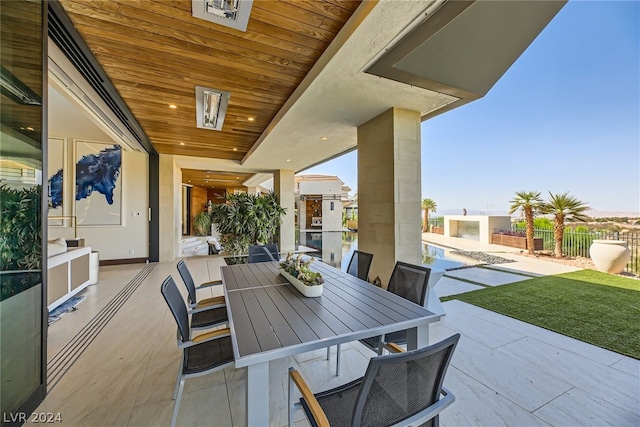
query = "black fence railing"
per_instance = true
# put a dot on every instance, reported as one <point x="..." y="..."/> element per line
<point x="577" y="243"/>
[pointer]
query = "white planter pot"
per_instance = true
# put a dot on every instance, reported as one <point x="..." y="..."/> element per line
<point x="307" y="291"/>
<point x="610" y="256"/>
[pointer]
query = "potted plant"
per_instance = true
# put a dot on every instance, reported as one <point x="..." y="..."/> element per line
<point x="298" y="273"/>
<point x="247" y="219"/>
<point x="202" y="224"/>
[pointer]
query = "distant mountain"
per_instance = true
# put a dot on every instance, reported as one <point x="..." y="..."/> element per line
<point x="608" y="214"/>
<point x="594" y="213"/>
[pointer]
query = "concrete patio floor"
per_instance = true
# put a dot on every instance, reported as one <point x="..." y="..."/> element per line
<point x="504" y="372"/>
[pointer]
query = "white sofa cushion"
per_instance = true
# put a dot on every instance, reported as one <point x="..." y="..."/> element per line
<point x="55" y="247"/>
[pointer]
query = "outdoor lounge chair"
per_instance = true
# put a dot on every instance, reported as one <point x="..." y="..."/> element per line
<point x="397" y="389"/>
<point x="202" y="354"/>
<point x="205" y="313"/>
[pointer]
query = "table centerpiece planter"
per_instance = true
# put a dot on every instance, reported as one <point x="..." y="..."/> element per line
<point x="297" y="272"/>
<point x="310" y="291"/>
<point x="610" y="256"/>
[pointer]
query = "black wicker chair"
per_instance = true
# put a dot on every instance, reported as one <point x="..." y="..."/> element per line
<point x="201" y="354"/>
<point x="397" y="389"/>
<point x="263" y="253"/>
<point x="205" y="313"/>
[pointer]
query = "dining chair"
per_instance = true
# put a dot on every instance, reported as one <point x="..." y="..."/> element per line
<point x="408" y="281"/>
<point x="263" y="253"/>
<point x="397" y="389"/>
<point x="359" y="266"/>
<point x="205" y="313"/>
<point x="201" y="354"/>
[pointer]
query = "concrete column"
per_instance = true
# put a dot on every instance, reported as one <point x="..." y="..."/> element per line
<point x="170" y="207"/>
<point x="283" y="185"/>
<point x="389" y="190"/>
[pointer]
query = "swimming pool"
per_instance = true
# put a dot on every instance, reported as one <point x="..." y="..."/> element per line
<point x="336" y="248"/>
<point x="446" y="259"/>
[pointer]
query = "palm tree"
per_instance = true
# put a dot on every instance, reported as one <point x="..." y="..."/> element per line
<point x="427" y="205"/>
<point x="564" y="208"/>
<point x="530" y="203"/>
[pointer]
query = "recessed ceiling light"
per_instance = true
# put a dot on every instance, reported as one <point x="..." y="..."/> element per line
<point x="173" y="106"/>
<point x="251" y="119"/>
<point x="29" y="128"/>
<point x="182" y="143"/>
<point x="288" y="160"/>
<point x="324" y="138"/>
<point x="189" y="181"/>
<point x="237" y="177"/>
<point x="235" y="149"/>
<point x="207" y="176"/>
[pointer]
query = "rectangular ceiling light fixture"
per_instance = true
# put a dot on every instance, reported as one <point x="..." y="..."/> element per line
<point x="211" y="107"/>
<point x="230" y="13"/>
<point x="13" y="88"/>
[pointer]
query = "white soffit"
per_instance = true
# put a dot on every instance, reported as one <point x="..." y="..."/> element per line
<point x="337" y="96"/>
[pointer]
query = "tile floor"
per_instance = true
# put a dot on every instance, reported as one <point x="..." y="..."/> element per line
<point x="504" y="372"/>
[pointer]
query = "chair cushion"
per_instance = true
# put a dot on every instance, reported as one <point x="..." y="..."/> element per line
<point x="208" y="355"/>
<point x="207" y="318"/>
<point x="337" y="403"/>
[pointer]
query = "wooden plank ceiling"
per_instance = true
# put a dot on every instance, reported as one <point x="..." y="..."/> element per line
<point x="22" y="54"/>
<point x="155" y="53"/>
<point x="214" y="179"/>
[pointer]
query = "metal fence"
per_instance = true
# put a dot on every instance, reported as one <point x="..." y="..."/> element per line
<point x="577" y="243"/>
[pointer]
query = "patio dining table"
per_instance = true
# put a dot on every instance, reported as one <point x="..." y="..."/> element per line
<point x="270" y="319"/>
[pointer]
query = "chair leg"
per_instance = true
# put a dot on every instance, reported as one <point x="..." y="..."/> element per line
<point x="176" y="405"/>
<point x="338" y="360"/>
<point x="290" y="396"/>
<point x="178" y="377"/>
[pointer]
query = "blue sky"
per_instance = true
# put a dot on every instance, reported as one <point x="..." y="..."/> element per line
<point x="564" y="117"/>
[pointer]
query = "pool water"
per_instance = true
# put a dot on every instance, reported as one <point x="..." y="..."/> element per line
<point x="435" y="256"/>
<point x="336" y="249"/>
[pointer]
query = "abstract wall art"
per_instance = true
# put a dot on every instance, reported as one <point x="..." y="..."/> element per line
<point x="55" y="182"/>
<point x="98" y="187"/>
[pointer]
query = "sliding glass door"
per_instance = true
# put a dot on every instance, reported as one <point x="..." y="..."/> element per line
<point x="22" y="282"/>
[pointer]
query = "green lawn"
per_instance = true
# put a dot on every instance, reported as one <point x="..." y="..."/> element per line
<point x="598" y="308"/>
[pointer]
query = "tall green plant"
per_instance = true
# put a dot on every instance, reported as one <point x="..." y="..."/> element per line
<point x="564" y="207"/>
<point x="530" y="203"/>
<point x="20" y="235"/>
<point x="247" y="219"/>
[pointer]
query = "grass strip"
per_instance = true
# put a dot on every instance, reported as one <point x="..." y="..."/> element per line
<point x="598" y="308"/>
<point x="460" y="279"/>
<point x="504" y="270"/>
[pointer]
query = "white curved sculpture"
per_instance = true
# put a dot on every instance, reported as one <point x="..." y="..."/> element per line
<point x="610" y="256"/>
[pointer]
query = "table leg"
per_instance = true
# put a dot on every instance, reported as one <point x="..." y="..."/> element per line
<point x="258" y="395"/>
<point x="418" y="337"/>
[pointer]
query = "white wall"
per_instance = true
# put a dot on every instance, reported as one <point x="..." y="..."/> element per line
<point x="331" y="219"/>
<point x="130" y="239"/>
<point x="321" y="187"/>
